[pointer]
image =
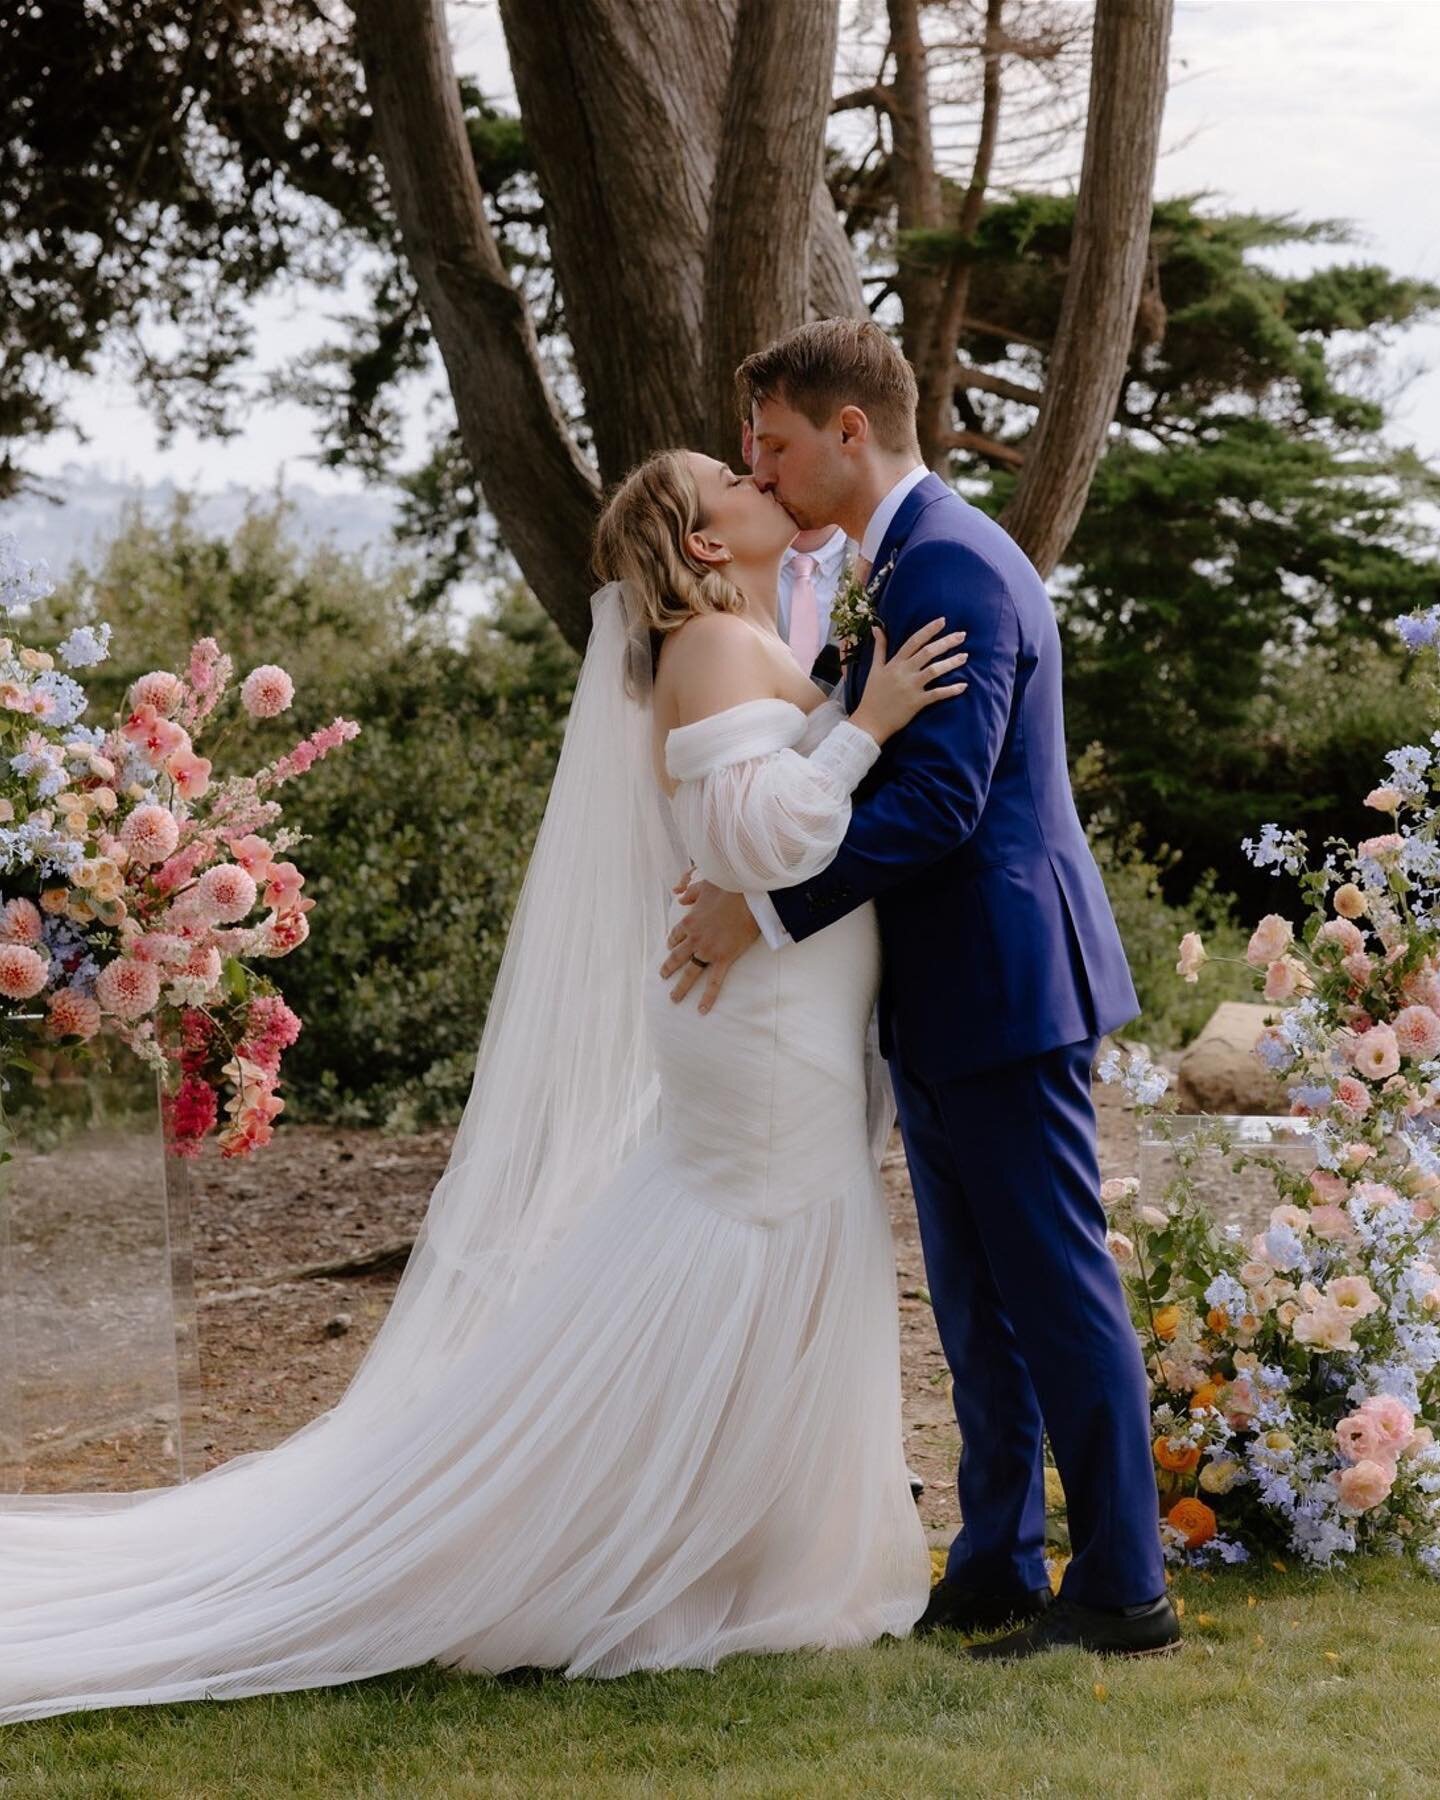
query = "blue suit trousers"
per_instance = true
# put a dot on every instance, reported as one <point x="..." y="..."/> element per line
<point x="1033" y="1320"/>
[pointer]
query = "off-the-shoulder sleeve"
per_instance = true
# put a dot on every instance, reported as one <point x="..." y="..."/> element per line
<point x="754" y="812"/>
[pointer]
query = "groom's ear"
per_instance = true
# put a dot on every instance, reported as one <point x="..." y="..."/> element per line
<point x="854" y="425"/>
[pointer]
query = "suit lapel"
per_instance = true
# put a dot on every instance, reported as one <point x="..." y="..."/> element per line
<point x="909" y="510"/>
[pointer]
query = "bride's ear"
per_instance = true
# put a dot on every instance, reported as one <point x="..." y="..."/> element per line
<point x="707" y="550"/>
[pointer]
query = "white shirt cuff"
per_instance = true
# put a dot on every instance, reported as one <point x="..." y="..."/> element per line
<point x="766" y="917"/>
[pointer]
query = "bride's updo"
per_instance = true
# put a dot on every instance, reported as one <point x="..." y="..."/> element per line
<point x="640" y="540"/>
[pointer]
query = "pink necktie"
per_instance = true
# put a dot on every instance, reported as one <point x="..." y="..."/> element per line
<point x="804" y="612"/>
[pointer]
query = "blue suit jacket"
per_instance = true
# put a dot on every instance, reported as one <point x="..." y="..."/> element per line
<point x="997" y="934"/>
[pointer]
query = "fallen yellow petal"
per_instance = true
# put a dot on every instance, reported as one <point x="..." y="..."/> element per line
<point x="1180" y="1606"/>
<point x="1250" y="1600"/>
<point x="1101" y="1691"/>
<point x="1204" y="1619"/>
<point x="1332" y="1656"/>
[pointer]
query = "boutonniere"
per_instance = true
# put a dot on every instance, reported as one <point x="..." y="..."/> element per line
<point x="853" y="612"/>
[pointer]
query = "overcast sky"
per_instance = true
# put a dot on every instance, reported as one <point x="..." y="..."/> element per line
<point x="1325" y="108"/>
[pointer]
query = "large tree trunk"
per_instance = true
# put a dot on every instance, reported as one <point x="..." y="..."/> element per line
<point x="916" y="180"/>
<point x="1107" y="267"/>
<point x="534" y="479"/>
<point x="758" y="277"/>
<point x="622" y="102"/>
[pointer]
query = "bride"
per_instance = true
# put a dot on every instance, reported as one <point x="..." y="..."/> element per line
<point x="636" y="1403"/>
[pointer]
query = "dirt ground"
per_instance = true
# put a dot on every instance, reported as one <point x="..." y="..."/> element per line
<point x="273" y="1355"/>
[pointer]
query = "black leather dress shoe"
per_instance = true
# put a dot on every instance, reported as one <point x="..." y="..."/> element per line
<point x="969" y="1612"/>
<point x="1150" y="1629"/>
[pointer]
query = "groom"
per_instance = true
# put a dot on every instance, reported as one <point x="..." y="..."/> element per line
<point x="1002" y="969"/>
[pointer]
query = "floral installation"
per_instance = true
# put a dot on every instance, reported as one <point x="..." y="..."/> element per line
<point x="135" y="888"/>
<point x="1295" y="1379"/>
<point x="854" y="612"/>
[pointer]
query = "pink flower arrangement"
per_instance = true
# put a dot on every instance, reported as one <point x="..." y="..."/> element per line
<point x="151" y="932"/>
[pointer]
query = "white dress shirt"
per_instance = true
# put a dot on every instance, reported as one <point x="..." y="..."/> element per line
<point x="761" y="905"/>
<point x="829" y="562"/>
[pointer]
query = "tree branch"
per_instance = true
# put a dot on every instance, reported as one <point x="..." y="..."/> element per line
<point x="533" y="476"/>
<point x="1107" y="265"/>
<point x="988" y="447"/>
<point x="967" y="376"/>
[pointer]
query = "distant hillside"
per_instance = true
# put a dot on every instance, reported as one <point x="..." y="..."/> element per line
<point x="88" y="504"/>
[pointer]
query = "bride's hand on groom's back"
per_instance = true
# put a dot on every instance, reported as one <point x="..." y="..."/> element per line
<point x="899" y="686"/>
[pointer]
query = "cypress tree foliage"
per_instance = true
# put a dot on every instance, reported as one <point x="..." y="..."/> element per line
<point x="1249" y="530"/>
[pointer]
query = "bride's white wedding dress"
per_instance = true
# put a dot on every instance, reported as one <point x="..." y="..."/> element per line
<point x="637" y="1402"/>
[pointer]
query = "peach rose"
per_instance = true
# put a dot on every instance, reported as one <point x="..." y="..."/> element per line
<point x="1353" y="1095"/>
<point x="1350" y="901"/>
<point x="1375" y="1053"/>
<point x="1358" y="966"/>
<point x="1120" y="1246"/>
<point x="1324" y="1327"/>
<point x="1269" y="941"/>
<point x="1384" y="799"/>
<point x="1192" y="956"/>
<point x="1392" y="1419"/>
<point x="1364" y="1485"/>
<point x="1350" y="938"/>
<point x="1331" y="1223"/>
<point x="1284" y="979"/>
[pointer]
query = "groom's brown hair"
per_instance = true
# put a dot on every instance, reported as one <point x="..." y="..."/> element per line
<point x="830" y="363"/>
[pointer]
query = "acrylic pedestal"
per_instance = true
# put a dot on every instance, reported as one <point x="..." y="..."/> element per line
<point x="99" y="1374"/>
<point x="1232" y="1190"/>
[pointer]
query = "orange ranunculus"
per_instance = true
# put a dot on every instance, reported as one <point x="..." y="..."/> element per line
<point x="1218" y="1320"/>
<point x="1176" y="1455"/>
<point x="1195" y="1519"/>
<point x="1207" y="1394"/>
<point x="1166" y="1323"/>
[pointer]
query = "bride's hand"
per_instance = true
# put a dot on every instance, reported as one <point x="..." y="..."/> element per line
<point x="897" y="689"/>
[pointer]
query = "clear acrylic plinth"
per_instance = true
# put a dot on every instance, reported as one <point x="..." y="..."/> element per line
<point x="1233" y="1189"/>
<point x="99" y="1373"/>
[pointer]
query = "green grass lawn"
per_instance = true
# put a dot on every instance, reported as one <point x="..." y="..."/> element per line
<point x="1290" y="1684"/>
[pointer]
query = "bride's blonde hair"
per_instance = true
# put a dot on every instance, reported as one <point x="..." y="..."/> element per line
<point x="640" y="540"/>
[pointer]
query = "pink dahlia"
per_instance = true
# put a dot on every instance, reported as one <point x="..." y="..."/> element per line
<point x="20" y="922"/>
<point x="150" y="834"/>
<point x="1417" y="1032"/>
<point x="127" y="988"/>
<point x="73" y="1014"/>
<point x="266" y="691"/>
<point x="159" y="689"/>
<point x="227" y="892"/>
<point x="23" y="971"/>
<point x="202" y="964"/>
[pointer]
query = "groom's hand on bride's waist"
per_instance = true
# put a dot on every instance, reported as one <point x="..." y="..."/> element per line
<point x="718" y="928"/>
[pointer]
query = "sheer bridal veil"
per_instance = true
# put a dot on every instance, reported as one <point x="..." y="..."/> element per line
<point x="564" y="1089"/>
